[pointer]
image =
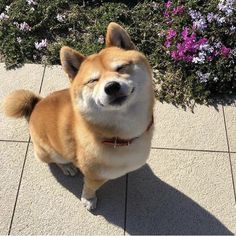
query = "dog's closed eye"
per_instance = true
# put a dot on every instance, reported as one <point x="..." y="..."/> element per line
<point x="92" y="80"/>
<point x="122" y="68"/>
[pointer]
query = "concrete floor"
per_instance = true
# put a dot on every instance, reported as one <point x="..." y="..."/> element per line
<point x="187" y="186"/>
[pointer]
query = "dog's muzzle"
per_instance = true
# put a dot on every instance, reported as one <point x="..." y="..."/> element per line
<point x="117" y="94"/>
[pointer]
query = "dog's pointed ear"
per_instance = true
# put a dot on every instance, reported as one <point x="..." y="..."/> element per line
<point x="71" y="61"/>
<point x="117" y="37"/>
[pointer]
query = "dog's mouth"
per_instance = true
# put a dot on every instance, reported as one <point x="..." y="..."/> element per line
<point x="118" y="100"/>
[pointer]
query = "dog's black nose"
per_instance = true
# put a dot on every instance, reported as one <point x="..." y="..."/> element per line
<point x="112" y="88"/>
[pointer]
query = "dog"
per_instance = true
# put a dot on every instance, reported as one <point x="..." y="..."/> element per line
<point x="103" y="123"/>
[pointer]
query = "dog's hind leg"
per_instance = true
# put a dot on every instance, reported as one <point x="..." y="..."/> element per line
<point x="68" y="169"/>
<point x="41" y="154"/>
<point x="52" y="157"/>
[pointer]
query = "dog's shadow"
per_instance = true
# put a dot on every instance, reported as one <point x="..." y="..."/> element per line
<point x="152" y="207"/>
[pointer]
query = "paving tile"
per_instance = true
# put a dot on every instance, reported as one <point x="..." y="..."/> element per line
<point x="176" y="128"/>
<point x="11" y="158"/>
<point x="54" y="79"/>
<point x="233" y="162"/>
<point x="230" y="117"/>
<point x="27" y="77"/>
<point x="181" y="192"/>
<point x="49" y="203"/>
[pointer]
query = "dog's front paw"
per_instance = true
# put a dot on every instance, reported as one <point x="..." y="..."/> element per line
<point x="89" y="204"/>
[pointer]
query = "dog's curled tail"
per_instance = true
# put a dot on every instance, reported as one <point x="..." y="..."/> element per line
<point x="20" y="103"/>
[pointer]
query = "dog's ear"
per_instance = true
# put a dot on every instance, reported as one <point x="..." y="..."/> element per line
<point x="71" y="61"/>
<point x="117" y="37"/>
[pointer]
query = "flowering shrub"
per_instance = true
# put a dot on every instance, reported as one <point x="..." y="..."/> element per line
<point x="190" y="44"/>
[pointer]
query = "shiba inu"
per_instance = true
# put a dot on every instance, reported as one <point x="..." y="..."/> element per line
<point x="103" y="123"/>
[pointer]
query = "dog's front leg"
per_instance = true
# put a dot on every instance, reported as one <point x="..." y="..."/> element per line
<point x="89" y="198"/>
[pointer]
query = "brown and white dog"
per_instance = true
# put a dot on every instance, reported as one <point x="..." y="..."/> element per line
<point x="103" y="123"/>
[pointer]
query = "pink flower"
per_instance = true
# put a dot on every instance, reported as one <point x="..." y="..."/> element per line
<point x="188" y="58"/>
<point x="184" y="33"/>
<point x="174" y="55"/>
<point x="225" y="51"/>
<point x="166" y="14"/>
<point x="215" y="53"/>
<point x="210" y="58"/>
<point x="168" y="4"/>
<point x="170" y="34"/>
<point x="178" y="9"/>
<point x="202" y="41"/>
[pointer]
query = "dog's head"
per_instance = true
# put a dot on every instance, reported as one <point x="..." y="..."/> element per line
<point x="116" y="78"/>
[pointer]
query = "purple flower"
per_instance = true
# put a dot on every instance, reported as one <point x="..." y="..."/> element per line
<point x="199" y="20"/>
<point x="187" y="49"/>
<point x="3" y="16"/>
<point x="41" y="45"/>
<point x="225" y="51"/>
<point x="200" y="24"/>
<point x="166" y="14"/>
<point x="203" y="77"/>
<point x="210" y="17"/>
<point x="227" y="6"/>
<point x="220" y="20"/>
<point x="200" y="59"/>
<point x="24" y="26"/>
<point x="194" y="14"/>
<point x="167" y="44"/>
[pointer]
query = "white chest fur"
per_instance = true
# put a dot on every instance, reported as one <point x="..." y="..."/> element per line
<point x="121" y="160"/>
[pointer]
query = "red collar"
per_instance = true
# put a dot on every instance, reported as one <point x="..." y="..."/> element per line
<point x="118" y="142"/>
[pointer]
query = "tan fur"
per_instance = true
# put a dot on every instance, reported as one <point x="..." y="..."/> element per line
<point x="62" y="134"/>
<point x="20" y="103"/>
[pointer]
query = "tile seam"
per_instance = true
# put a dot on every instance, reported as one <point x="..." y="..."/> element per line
<point x="126" y="202"/>
<point x="229" y="154"/>
<point x="18" y="189"/>
<point x="190" y="150"/>
<point x="13" y="141"/>
<point x="41" y="85"/>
